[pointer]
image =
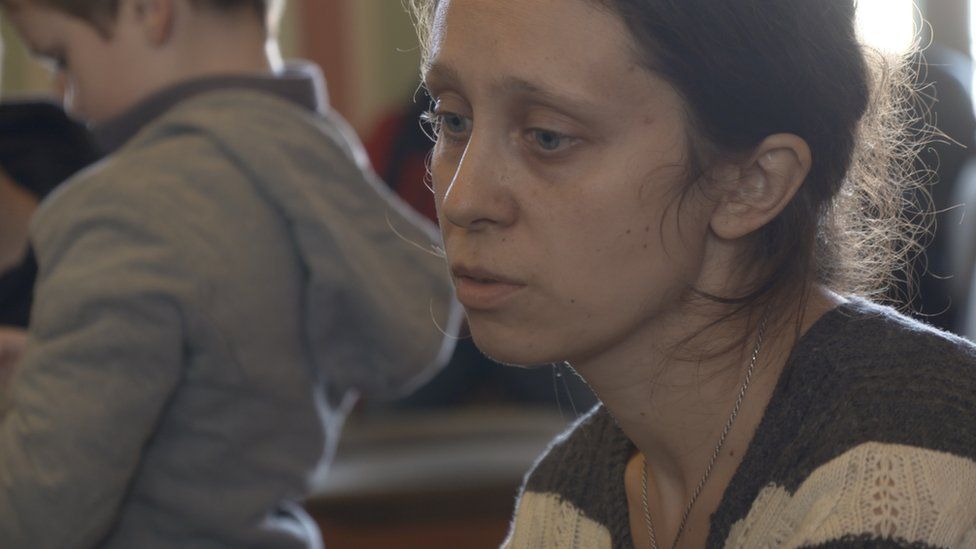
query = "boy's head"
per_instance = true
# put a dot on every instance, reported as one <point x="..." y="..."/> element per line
<point x="113" y="53"/>
<point x="101" y="13"/>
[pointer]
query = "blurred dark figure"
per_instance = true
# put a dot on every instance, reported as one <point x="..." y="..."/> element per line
<point x="945" y="103"/>
<point x="40" y="147"/>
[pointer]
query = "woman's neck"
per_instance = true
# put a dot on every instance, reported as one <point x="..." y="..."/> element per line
<point x="674" y="406"/>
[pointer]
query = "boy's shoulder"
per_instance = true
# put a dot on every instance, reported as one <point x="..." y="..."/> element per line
<point x="195" y="147"/>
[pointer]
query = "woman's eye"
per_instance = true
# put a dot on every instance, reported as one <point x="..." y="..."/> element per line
<point x="448" y="124"/>
<point x="548" y="140"/>
<point x="454" y="123"/>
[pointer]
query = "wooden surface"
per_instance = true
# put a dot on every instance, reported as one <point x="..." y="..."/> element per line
<point x="436" y="480"/>
<point x="471" y="534"/>
<point x="473" y="518"/>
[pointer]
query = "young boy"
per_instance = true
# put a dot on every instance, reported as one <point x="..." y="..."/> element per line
<point x="207" y="294"/>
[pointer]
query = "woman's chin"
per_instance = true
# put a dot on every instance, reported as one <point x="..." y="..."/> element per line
<point x="514" y="353"/>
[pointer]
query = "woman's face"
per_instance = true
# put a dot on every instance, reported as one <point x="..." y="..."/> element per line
<point x="558" y="174"/>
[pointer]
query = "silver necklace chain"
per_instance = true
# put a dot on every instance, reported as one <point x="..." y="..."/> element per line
<point x="715" y="454"/>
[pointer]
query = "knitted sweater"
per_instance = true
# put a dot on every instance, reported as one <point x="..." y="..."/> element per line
<point x="869" y="440"/>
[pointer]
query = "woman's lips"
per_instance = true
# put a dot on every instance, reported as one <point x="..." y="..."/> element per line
<point x="479" y="289"/>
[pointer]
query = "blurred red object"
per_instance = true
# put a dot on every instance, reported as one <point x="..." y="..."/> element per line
<point x="398" y="149"/>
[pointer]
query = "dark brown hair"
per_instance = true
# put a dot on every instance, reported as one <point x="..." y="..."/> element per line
<point x="748" y="69"/>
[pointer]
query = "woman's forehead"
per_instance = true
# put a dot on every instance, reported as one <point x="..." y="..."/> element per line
<point x="564" y="47"/>
<point x="573" y="25"/>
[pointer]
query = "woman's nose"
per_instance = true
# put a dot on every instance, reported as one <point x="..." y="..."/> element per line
<point x="480" y="195"/>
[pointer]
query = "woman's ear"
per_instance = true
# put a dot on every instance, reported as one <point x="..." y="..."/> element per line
<point x="764" y="185"/>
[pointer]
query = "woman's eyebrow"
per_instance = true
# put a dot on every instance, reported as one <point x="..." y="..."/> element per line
<point x="440" y="74"/>
<point x="520" y="86"/>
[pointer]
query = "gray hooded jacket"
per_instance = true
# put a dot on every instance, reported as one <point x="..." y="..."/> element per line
<point x="206" y="297"/>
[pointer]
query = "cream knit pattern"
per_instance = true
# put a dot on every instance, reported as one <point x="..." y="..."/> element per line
<point x="878" y="490"/>
<point x="544" y="520"/>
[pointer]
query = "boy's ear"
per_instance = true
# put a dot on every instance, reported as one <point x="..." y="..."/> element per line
<point x="765" y="183"/>
<point x="156" y="18"/>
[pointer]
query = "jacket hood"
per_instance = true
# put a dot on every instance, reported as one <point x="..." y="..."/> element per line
<point x="378" y="299"/>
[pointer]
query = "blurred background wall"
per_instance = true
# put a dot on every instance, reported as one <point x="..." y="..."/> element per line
<point x="368" y="50"/>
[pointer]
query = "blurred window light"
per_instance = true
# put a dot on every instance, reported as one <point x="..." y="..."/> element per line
<point x="887" y="25"/>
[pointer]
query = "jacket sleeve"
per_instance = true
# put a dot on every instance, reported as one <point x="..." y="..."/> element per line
<point x="104" y="353"/>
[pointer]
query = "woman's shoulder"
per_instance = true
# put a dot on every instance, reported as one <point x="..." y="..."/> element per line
<point x="868" y="441"/>
<point x="588" y="445"/>
<point x="573" y="495"/>
<point x="890" y="364"/>
<point x="865" y="373"/>
<point x="863" y="336"/>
